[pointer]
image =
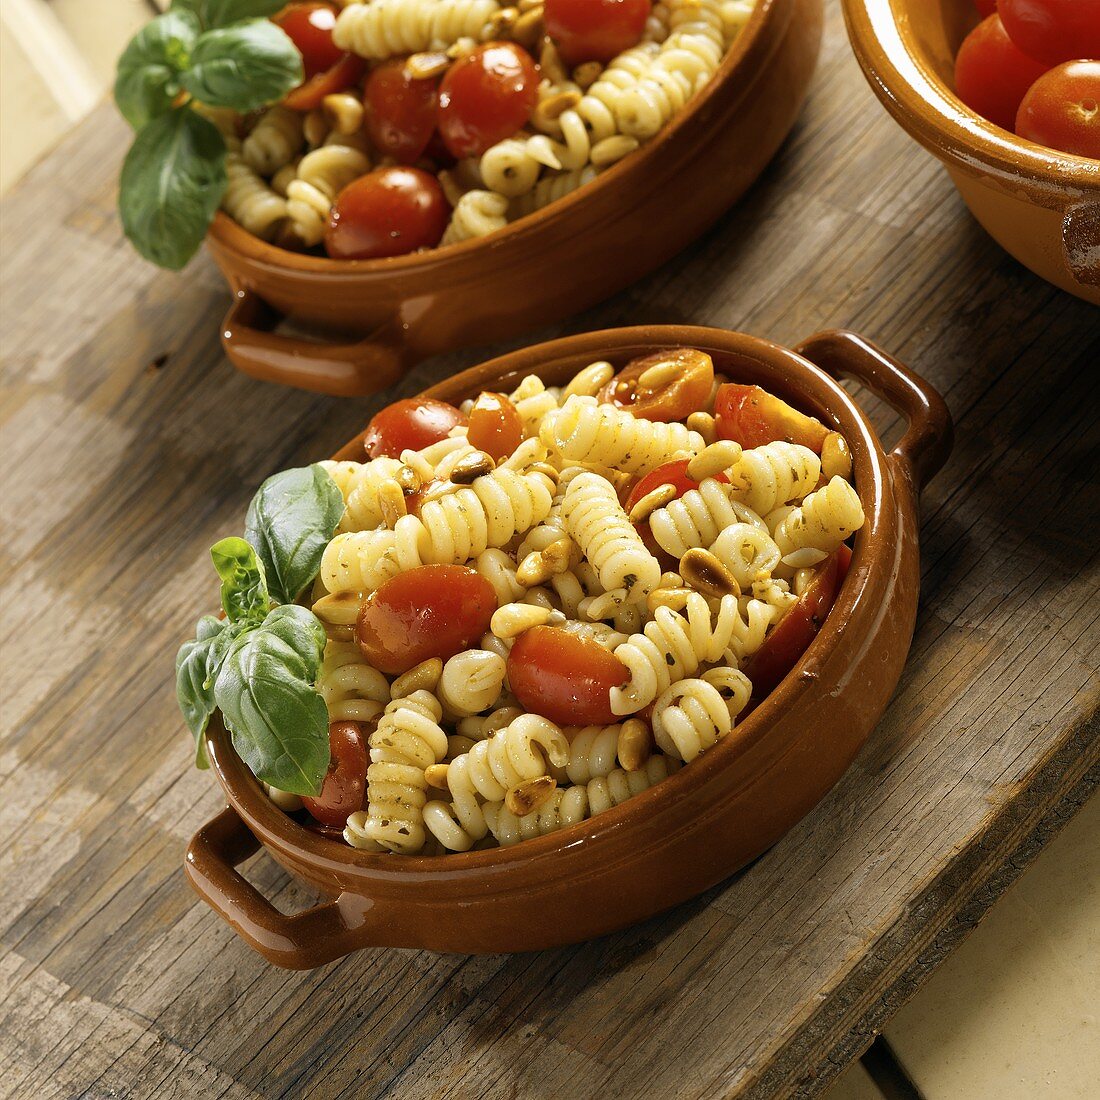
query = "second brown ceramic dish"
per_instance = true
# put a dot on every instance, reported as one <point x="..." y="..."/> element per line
<point x="379" y="317"/>
<point x="706" y="821"/>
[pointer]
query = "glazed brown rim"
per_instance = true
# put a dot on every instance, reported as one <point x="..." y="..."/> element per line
<point x="932" y="113"/>
<point x="281" y="832"/>
<point x="748" y="43"/>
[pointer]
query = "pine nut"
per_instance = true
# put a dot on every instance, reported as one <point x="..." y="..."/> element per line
<point x="526" y="798"/>
<point x="660" y="375"/>
<point x="558" y="555"/>
<point x="339" y="608"/>
<point x="436" y="776"/>
<point x="706" y="574"/>
<point x="704" y="424"/>
<point x="408" y="479"/>
<point x="836" y="457"/>
<point x="427" y="66"/>
<point x="586" y="74"/>
<point x="391" y="503"/>
<point x="315" y="128"/>
<point x="589" y="382"/>
<point x="656" y="498"/>
<point x="713" y="460"/>
<point x="528" y="28"/>
<point x="424" y="677"/>
<point x="676" y="598"/>
<point x="343" y="112"/>
<point x="470" y="468"/>
<point x="635" y="744"/>
<point x="511" y="620"/>
<point x="533" y="570"/>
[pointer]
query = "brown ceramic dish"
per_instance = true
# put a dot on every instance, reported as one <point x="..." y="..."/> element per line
<point x="694" y="829"/>
<point x="382" y="316"/>
<point x="1040" y="205"/>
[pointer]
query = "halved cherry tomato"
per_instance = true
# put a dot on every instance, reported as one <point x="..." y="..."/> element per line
<point x="343" y="75"/>
<point x="791" y="638"/>
<point x="430" y="611"/>
<point x="595" y="30"/>
<point x="985" y="7"/>
<point x="387" y="212"/>
<point x="400" y="111"/>
<point x="1053" y="30"/>
<point x="752" y="417"/>
<point x="992" y="73"/>
<point x="563" y="677"/>
<point x="495" y="426"/>
<point x="309" y="27"/>
<point x="410" y="424"/>
<point x="486" y="97"/>
<point x="1062" y="109"/>
<point x="345" y="786"/>
<point x="685" y="391"/>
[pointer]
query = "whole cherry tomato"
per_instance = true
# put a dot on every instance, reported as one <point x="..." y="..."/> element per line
<point x="1053" y="30"/>
<point x="430" y="611"/>
<point x="400" y="111"/>
<point x="495" y="426"/>
<point x="309" y="27"/>
<point x="343" y="75"/>
<point x="345" y="787"/>
<point x="992" y="74"/>
<point x="1062" y="109"/>
<point x="985" y="7"/>
<point x="486" y="97"/>
<point x="684" y="388"/>
<point x="752" y="417"/>
<point x="563" y="677"/>
<point x="410" y="425"/>
<point x="595" y="30"/>
<point x="387" y="212"/>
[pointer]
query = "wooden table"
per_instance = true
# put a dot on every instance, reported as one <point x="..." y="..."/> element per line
<point x="129" y="446"/>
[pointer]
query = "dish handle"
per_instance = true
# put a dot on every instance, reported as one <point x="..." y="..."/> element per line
<point x="297" y="942"/>
<point x="924" y="447"/>
<point x="341" y="370"/>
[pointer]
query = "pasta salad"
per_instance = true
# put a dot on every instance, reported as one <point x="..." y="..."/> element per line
<point x="512" y="615"/>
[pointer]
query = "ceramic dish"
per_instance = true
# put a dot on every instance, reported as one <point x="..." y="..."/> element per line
<point x="1040" y="205"/>
<point x="559" y="261"/>
<point x="695" y="828"/>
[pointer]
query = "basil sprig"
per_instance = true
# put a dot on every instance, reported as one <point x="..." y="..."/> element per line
<point x="259" y="664"/>
<point x="221" y="53"/>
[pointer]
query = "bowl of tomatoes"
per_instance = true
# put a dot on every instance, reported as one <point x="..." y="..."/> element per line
<point x="820" y="683"/>
<point x="1007" y="94"/>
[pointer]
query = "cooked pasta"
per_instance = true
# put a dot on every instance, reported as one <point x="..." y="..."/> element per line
<point x="359" y="483"/>
<point x="566" y="806"/>
<point x="477" y="214"/>
<point x="748" y="552"/>
<point x="593" y="752"/>
<point x="814" y="529"/>
<point x="250" y="201"/>
<point x="699" y="517"/>
<point x="689" y="717"/>
<point x="773" y="475"/>
<point x="619" y="786"/>
<point x="274" y="142"/>
<point x="388" y="28"/>
<point x="351" y="689"/>
<point x="322" y="174"/>
<point x="471" y="682"/>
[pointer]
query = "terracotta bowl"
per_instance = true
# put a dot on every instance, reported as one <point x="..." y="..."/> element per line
<point x="702" y="824"/>
<point x="1040" y="205"/>
<point x="377" y="318"/>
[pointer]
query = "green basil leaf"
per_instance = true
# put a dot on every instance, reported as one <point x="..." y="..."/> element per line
<point x="244" y="585"/>
<point x="172" y="183"/>
<point x="266" y="692"/>
<point x="221" y="13"/>
<point x="197" y="665"/>
<point x="244" y="66"/>
<point x="290" y="522"/>
<point x="149" y="69"/>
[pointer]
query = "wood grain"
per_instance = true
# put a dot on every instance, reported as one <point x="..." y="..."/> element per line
<point x="128" y="446"/>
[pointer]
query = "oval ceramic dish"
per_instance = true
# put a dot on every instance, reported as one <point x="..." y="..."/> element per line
<point x="1040" y="205"/>
<point x="695" y="828"/>
<point x="559" y="261"/>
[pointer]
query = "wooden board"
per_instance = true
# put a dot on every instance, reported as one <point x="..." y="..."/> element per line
<point x="129" y="446"/>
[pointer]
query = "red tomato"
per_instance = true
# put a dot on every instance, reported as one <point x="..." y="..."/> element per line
<point x="685" y="392"/>
<point x="985" y="7"/>
<point x="486" y="97"/>
<point x="1053" y="30"/>
<point x="595" y="30"/>
<point x="752" y="417"/>
<point x="431" y="611"/>
<point x="400" y="111"/>
<point x="992" y="74"/>
<point x="387" y="212"/>
<point x="345" y="73"/>
<point x="1062" y="109"/>
<point x="495" y="426"/>
<point x="345" y="786"/>
<point x="410" y="424"/>
<point x="309" y="27"/>
<point x="791" y="638"/>
<point x="564" y="678"/>
<point x="671" y="473"/>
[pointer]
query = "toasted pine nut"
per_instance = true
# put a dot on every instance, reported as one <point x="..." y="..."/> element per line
<point x="526" y="798"/>
<point x="635" y="744"/>
<point x="339" y="608"/>
<point x="836" y="458"/>
<point x="712" y="460"/>
<point x="424" y="677"/>
<point x="676" y="598"/>
<point x="343" y="112"/>
<point x="589" y="382"/>
<point x="706" y="574"/>
<point x="660" y="375"/>
<point x="558" y="554"/>
<point x="586" y="74"/>
<point x="656" y="498"/>
<point x="704" y="424"/>
<point x="511" y="620"/>
<point x="427" y="66"/>
<point x="462" y="48"/>
<point x="499" y="24"/>
<point x="546" y="469"/>
<point x="315" y="128"/>
<point x="391" y="503"/>
<point x="533" y="570"/>
<point x="528" y="28"/>
<point x="556" y="105"/>
<point x="408" y="479"/>
<point x="470" y="468"/>
<point x="436" y="775"/>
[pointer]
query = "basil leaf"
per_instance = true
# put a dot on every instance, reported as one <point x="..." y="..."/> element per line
<point x="221" y="13"/>
<point x="290" y="522"/>
<point x="197" y="665"/>
<point x="244" y="66"/>
<point x="244" y="586"/>
<point x="266" y="693"/>
<point x="172" y="183"/>
<point x="150" y="66"/>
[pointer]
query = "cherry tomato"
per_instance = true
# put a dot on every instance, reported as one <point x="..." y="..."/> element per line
<point x="400" y="111"/>
<point x="1053" y="30"/>
<point x="486" y="97"/>
<point x="410" y="424"/>
<point x="345" y="787"/>
<point x="752" y="417"/>
<point x="1062" y="109"/>
<point x="343" y="75"/>
<point x="783" y="648"/>
<point x="595" y="30"/>
<point x="387" y="212"/>
<point x="495" y="426"/>
<point x="431" y="611"/>
<point x="985" y="7"/>
<point x="992" y="74"/>
<point x="309" y="27"/>
<point x="685" y="391"/>
<point x="564" y="678"/>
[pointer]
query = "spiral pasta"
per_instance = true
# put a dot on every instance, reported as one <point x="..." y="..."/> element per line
<point x="619" y="786"/>
<point x="388" y="28"/>
<point x="471" y="682"/>
<point x="565" y="807"/>
<point x="689" y="717"/>
<point x="477" y="214"/>
<point x="748" y="552"/>
<point x="322" y="175"/>
<point x="359" y="483"/>
<point x="249" y="201"/>
<point x="500" y="571"/>
<point x="359" y="561"/>
<point x="772" y="475"/>
<point x="815" y="528"/>
<point x="593" y="752"/>
<point x="275" y="142"/>
<point x="509" y="169"/>
<point x="351" y="689"/>
<point x="549" y="189"/>
<point x="699" y="516"/>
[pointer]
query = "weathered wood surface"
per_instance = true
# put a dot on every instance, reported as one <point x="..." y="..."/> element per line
<point x="129" y="446"/>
